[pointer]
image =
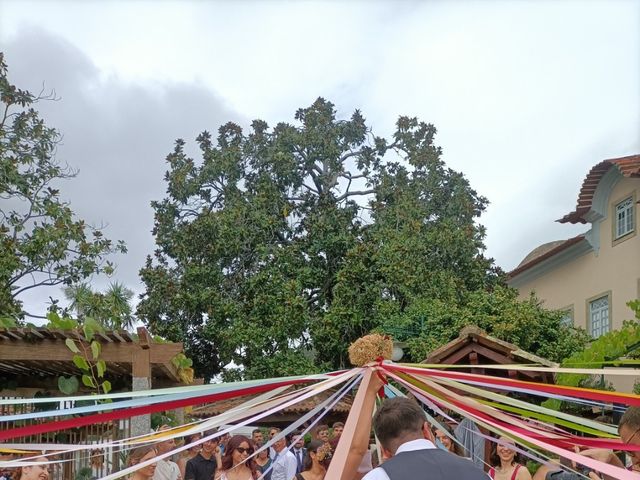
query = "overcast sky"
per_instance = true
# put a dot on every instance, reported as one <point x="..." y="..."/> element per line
<point x="527" y="95"/>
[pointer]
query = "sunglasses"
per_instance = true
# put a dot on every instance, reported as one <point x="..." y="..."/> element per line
<point x="248" y="451"/>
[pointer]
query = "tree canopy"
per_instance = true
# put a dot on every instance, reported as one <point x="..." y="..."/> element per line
<point x="42" y="242"/>
<point x="282" y="245"/>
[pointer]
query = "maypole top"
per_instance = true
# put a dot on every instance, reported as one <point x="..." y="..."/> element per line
<point x="370" y="348"/>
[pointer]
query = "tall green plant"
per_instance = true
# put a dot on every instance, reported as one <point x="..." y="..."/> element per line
<point x="86" y="355"/>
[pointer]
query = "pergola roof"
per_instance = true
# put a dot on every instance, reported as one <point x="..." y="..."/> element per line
<point x="41" y="352"/>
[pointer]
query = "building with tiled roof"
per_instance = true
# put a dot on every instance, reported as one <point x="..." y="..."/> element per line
<point x="593" y="275"/>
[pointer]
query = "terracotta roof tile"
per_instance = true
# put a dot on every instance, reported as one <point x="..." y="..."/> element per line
<point x="628" y="166"/>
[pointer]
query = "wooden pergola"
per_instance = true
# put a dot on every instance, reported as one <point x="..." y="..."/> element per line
<point x="32" y="360"/>
<point x="31" y="356"/>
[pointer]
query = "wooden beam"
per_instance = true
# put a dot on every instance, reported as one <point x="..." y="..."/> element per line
<point x="170" y="371"/>
<point x="36" y="333"/>
<point x="52" y="350"/>
<point x="118" y="337"/>
<point x="141" y="363"/>
<point x="164" y="352"/>
<point x="104" y="337"/>
<point x="459" y="355"/>
<point x="144" y="339"/>
<point x="473" y="357"/>
<point x="55" y="350"/>
<point x="500" y="359"/>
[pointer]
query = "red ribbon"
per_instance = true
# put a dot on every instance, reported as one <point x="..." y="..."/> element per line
<point x="130" y="412"/>
<point x="611" y="397"/>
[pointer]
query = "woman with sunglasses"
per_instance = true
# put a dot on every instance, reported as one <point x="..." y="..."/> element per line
<point x="236" y="464"/>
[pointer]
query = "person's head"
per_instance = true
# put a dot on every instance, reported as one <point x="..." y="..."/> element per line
<point x="318" y="453"/>
<point x="399" y="420"/>
<point x="35" y="472"/>
<point x="239" y="449"/>
<point x="262" y="454"/>
<point x="629" y="430"/>
<point x="209" y="446"/>
<point x="322" y="433"/>
<point x="273" y="431"/>
<point x="338" y="428"/>
<point x="256" y="436"/>
<point x="446" y="440"/>
<point x="281" y="443"/>
<point x="96" y="457"/>
<point x="298" y="440"/>
<point x="165" y="445"/>
<point x="504" y="452"/>
<point x="191" y="439"/>
<point x="142" y="454"/>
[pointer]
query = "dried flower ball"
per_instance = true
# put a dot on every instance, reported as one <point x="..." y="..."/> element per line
<point x="370" y="348"/>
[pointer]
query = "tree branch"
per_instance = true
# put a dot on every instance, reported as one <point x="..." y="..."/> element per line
<point x="349" y="155"/>
<point x="33" y="316"/>
<point x="353" y="194"/>
<point x="311" y="188"/>
<point x="50" y="283"/>
<point x="316" y="182"/>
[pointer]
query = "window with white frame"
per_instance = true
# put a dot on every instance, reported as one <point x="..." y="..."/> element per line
<point x="624" y="217"/>
<point x="599" y="322"/>
<point x="567" y="318"/>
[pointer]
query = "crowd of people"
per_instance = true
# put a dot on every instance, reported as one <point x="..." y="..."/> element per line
<point x="410" y="448"/>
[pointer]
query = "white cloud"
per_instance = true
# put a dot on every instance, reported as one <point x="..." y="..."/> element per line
<point x="526" y="95"/>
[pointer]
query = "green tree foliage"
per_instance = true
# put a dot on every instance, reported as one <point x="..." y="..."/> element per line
<point x="283" y="245"/>
<point x="42" y="243"/>
<point x="112" y="309"/>
<point x="602" y="352"/>
<point x="429" y="323"/>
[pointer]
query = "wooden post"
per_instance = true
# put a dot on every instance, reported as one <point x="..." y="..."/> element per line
<point x="141" y="380"/>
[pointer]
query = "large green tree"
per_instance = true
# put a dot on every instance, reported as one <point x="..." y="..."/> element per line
<point x="42" y="242"/>
<point x="282" y="245"/>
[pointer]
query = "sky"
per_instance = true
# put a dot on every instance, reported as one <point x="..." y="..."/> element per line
<point x="527" y="96"/>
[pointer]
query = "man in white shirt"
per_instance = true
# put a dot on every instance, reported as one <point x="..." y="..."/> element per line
<point x="166" y="469"/>
<point x="285" y="464"/>
<point x="408" y="445"/>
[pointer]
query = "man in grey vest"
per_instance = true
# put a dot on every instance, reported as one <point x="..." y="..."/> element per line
<point x="408" y="444"/>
